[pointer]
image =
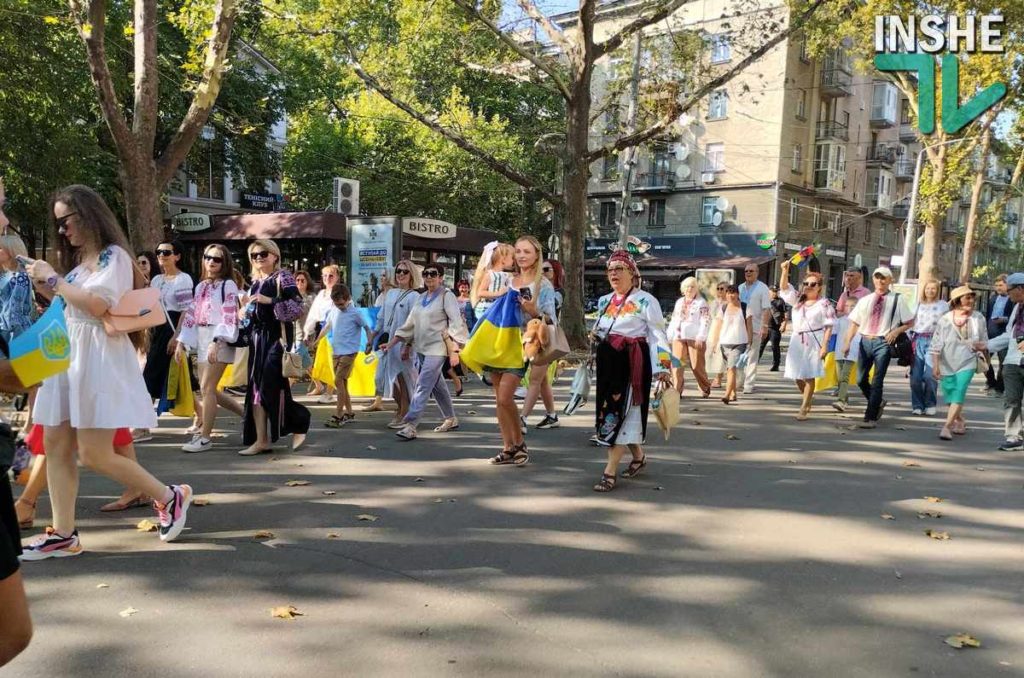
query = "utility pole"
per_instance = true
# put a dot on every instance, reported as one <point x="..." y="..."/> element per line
<point x="630" y="152"/>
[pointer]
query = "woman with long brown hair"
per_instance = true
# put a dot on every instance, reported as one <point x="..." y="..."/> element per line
<point x="813" y="317"/>
<point x="103" y="389"/>
<point x="209" y="327"/>
<point x="271" y="306"/>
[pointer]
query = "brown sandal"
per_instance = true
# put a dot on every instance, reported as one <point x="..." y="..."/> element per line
<point x="503" y="457"/>
<point x="607" y="483"/>
<point x="635" y="467"/>
<point x="520" y="455"/>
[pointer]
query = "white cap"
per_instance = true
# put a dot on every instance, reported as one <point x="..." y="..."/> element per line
<point x="883" y="271"/>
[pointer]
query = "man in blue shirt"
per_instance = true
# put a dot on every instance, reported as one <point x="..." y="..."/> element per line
<point x="999" y="310"/>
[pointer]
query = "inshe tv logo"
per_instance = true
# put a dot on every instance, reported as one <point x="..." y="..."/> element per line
<point x="898" y="48"/>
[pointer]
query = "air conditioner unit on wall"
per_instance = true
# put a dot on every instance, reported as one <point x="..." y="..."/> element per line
<point x="637" y="206"/>
<point x="345" y="198"/>
<point x="707" y="177"/>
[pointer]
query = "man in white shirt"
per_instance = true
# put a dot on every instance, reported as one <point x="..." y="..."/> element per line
<point x="754" y="294"/>
<point x="879" y="318"/>
<point x="1011" y="341"/>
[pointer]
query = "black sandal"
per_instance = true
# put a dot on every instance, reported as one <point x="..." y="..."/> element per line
<point x="503" y="457"/>
<point x="634" y="468"/>
<point x="607" y="483"/>
<point x="520" y="455"/>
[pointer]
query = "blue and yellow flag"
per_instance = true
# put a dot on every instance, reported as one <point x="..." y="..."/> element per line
<point x="44" y="349"/>
<point x="664" y="356"/>
<point x="496" y="340"/>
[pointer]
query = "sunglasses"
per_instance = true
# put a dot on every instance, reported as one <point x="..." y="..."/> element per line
<point x="63" y="221"/>
<point x="256" y="256"/>
<point x="216" y="260"/>
<point x="810" y="284"/>
<point x="401" y="271"/>
<point x="165" y="253"/>
<point x="430" y="274"/>
<point x="547" y="269"/>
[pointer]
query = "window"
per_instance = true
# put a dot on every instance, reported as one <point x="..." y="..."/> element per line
<point x="905" y="112"/>
<point x="836" y="221"/>
<point x="610" y="168"/>
<point x="707" y="211"/>
<point x="867" y="232"/>
<point x="720" y="52"/>
<point x="794" y="211"/>
<point x="801" y="104"/>
<point x="209" y="169"/>
<point x="883" y="102"/>
<point x="844" y="118"/>
<point x="611" y="120"/>
<point x="718" y="106"/>
<point x="798" y="158"/>
<point x="714" y="158"/>
<point x="656" y="214"/>
<point x="882" y="238"/>
<point x="816" y="224"/>
<point x="608" y="215"/>
<point x="830" y="166"/>
<point x="805" y="56"/>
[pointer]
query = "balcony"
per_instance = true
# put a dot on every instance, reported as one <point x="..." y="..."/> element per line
<point x="901" y="210"/>
<point x="831" y="129"/>
<point x="836" y="82"/>
<point x="908" y="132"/>
<point x="653" y="181"/>
<point x="965" y="198"/>
<point x="904" y="170"/>
<point x="882" y="155"/>
<point x="829" y="182"/>
<point x="1011" y="218"/>
<point x="879" y="201"/>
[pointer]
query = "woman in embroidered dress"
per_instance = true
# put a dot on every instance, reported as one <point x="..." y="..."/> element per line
<point x="315" y="316"/>
<point x="628" y="331"/>
<point x="103" y="389"/>
<point x="713" y="364"/>
<point x="271" y="306"/>
<point x="923" y="386"/>
<point x="210" y="325"/>
<point x="955" y="356"/>
<point x="396" y="370"/>
<point x="688" y="331"/>
<point x="175" y="294"/>
<point x="813" y="317"/>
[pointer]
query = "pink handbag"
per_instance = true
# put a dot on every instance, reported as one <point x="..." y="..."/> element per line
<point x="137" y="310"/>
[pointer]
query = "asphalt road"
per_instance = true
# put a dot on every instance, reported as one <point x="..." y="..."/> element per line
<point x="764" y="555"/>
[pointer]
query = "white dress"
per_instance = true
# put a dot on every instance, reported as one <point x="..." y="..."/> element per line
<point x="103" y="387"/>
<point x="691" y="320"/>
<point x="394" y="311"/>
<point x="807" y="336"/>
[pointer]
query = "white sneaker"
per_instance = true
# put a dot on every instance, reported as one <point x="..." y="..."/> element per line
<point x="408" y="432"/>
<point x="916" y="412"/>
<point x="520" y="393"/>
<point x="197" y="444"/>
<point x="522" y="425"/>
<point x="327" y="399"/>
<point x="747" y="390"/>
<point x="930" y="411"/>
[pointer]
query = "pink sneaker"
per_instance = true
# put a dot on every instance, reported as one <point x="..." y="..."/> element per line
<point x="52" y="545"/>
<point x="173" y="513"/>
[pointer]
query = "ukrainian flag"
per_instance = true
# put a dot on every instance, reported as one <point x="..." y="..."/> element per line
<point x="44" y="349"/>
<point x="496" y="340"/>
<point x="665" y="357"/>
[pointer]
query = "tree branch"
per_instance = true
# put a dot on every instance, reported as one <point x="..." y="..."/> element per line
<point x="660" y="126"/>
<point x="660" y="12"/>
<point x="92" y="24"/>
<point x="147" y="78"/>
<point x="502" y="168"/>
<point x="470" y="8"/>
<point x="509" y="72"/>
<point x="553" y="32"/>
<point x="224" y="14"/>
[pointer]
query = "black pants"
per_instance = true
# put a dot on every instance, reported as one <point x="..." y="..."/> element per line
<point x="775" y="337"/>
<point x="993" y="379"/>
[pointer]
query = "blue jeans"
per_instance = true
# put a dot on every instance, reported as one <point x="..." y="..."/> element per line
<point x="922" y="382"/>
<point x="874" y="352"/>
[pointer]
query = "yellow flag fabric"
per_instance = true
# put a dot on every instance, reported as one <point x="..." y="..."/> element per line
<point x="323" y="363"/>
<point x="360" y="382"/>
<point x="831" y="378"/>
<point x="236" y="374"/>
<point x="179" y="389"/>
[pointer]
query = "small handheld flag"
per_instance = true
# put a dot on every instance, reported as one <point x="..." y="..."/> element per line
<point x="664" y="357"/>
<point x="44" y="349"/>
<point x="803" y="256"/>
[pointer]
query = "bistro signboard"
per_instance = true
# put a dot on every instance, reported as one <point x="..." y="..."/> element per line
<point x="191" y="222"/>
<point x="428" y="228"/>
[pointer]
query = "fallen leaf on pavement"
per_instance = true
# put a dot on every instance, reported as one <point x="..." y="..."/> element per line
<point x="899" y="477"/>
<point x="888" y="516"/>
<point x="901" y="428"/>
<point x="333" y="535"/>
<point x="962" y="640"/>
<point x="328" y="493"/>
<point x="910" y="464"/>
<point x="419" y="480"/>
<point x="371" y="448"/>
<point x="935" y="534"/>
<point x="980" y="468"/>
<point x="297" y="483"/>
<point x="934" y="500"/>
<point x="288" y="612"/>
<point x="199" y="501"/>
<point x="127" y="612"/>
<point x="103" y="586"/>
<point x="263" y="534"/>
<point x="928" y="514"/>
<point x="452" y="501"/>
<point x="439" y="501"/>
<point x="658" y="488"/>
<point x="471" y="412"/>
<point x="899" y="575"/>
<point x="697" y="423"/>
<point x="366" y="516"/>
<point x="729" y="436"/>
<point x="146" y="525"/>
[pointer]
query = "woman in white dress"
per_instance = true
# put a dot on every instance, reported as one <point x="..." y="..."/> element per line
<point x="329" y="276"/>
<point x="103" y="389"/>
<point x="813" y="317"/>
<point x="397" y="372"/>
<point x="688" y="331"/>
<point x="628" y="331"/>
<point x="713" y="364"/>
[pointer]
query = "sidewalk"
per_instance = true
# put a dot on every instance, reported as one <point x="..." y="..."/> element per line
<point x="761" y="556"/>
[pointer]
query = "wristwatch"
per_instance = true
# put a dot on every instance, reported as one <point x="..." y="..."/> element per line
<point x="52" y="282"/>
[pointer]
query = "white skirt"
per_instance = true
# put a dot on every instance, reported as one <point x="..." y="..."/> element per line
<point x="632" y="431"/>
<point x="803" y="359"/>
<point x="103" y="388"/>
<point x="225" y="354"/>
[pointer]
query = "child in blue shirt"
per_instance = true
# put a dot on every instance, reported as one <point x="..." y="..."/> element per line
<point x="345" y="324"/>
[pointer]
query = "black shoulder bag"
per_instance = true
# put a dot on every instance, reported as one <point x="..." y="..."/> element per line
<point x="903" y="348"/>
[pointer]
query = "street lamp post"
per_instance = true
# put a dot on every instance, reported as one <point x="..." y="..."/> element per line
<point x="912" y="211"/>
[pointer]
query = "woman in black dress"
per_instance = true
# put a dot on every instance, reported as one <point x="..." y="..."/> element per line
<point x="271" y="307"/>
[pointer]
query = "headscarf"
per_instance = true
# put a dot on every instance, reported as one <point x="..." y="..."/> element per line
<point x="623" y="257"/>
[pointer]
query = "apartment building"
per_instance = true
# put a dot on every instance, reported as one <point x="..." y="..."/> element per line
<point x="794" y="151"/>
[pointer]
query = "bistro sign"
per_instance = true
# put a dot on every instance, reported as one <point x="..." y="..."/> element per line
<point x="428" y="228"/>
<point x="191" y="222"/>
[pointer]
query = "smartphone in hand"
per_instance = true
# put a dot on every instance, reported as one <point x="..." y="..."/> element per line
<point x="526" y="293"/>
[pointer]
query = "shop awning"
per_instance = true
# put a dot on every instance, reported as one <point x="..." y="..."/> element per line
<point x="672" y="267"/>
<point x="273" y="225"/>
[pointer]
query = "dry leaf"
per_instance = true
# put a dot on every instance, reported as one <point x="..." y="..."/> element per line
<point x="697" y="423"/>
<point x="658" y="488"/>
<point x="910" y="464"/>
<point x="128" y="612"/>
<point x="333" y="535"/>
<point x="328" y="493"/>
<point x="366" y="516"/>
<point x="934" y="500"/>
<point x="928" y="514"/>
<point x="103" y="586"/>
<point x="935" y="534"/>
<point x="419" y="480"/>
<point x="888" y="516"/>
<point x="471" y="412"/>
<point x="899" y="477"/>
<point x="729" y="436"/>
<point x="199" y="501"/>
<point x="371" y="448"/>
<point x="297" y="483"/>
<point x="901" y="428"/>
<point x="962" y="640"/>
<point x="147" y="525"/>
<point x="288" y="612"/>
<point x="899" y="575"/>
<point x="439" y="501"/>
<point x="979" y="468"/>
<point x="263" y="534"/>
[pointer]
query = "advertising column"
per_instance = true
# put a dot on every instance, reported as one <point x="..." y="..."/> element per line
<point x="373" y="247"/>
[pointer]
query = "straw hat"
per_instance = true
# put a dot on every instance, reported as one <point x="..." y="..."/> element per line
<point x="961" y="291"/>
